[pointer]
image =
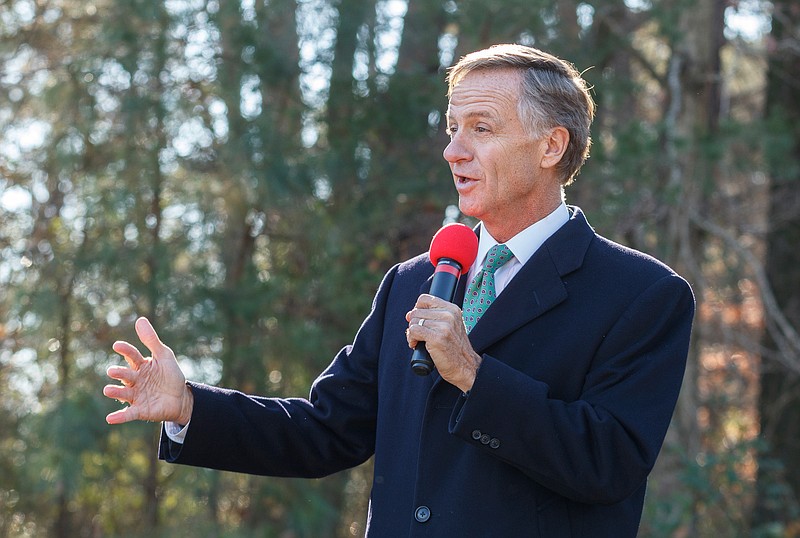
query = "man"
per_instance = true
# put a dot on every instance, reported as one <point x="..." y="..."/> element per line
<point x="544" y="419"/>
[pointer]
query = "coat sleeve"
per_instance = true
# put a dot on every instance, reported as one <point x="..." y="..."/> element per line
<point x="600" y="447"/>
<point x="331" y="430"/>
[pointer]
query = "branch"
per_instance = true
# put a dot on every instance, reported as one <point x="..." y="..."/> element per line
<point x="624" y="35"/>
<point x="781" y="329"/>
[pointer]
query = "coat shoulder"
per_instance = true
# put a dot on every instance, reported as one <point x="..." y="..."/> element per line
<point x="419" y="266"/>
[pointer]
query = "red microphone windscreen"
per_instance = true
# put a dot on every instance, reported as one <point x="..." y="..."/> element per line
<point x="457" y="242"/>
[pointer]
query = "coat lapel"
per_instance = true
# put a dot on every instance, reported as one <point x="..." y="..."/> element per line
<point x="538" y="287"/>
<point x="534" y="290"/>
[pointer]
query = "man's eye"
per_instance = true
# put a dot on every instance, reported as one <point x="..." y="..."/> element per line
<point x="451" y="130"/>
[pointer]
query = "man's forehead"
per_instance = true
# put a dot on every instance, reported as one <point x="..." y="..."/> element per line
<point x="471" y="113"/>
<point x="510" y="75"/>
<point x="484" y="98"/>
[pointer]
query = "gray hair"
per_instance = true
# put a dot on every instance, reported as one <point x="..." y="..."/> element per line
<point x="553" y="94"/>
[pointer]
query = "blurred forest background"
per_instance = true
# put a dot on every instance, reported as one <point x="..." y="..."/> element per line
<point x="244" y="173"/>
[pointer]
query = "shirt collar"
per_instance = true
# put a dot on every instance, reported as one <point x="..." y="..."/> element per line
<point x="527" y="242"/>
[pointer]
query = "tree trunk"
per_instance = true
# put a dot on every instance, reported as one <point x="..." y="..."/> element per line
<point x="779" y="404"/>
<point x="343" y="110"/>
<point x="691" y="117"/>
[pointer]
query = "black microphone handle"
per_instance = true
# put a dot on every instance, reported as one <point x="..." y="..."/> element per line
<point x="443" y="286"/>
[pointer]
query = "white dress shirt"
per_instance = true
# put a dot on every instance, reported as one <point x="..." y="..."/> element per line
<point x="522" y="246"/>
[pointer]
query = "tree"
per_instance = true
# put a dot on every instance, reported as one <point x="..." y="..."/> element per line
<point x="230" y="169"/>
<point x="779" y="404"/>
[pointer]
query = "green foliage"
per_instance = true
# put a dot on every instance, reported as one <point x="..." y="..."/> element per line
<point x="717" y="493"/>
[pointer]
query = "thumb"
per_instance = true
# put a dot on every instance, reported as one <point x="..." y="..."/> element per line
<point x="149" y="337"/>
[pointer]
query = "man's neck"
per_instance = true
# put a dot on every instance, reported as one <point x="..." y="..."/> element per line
<point x="503" y="230"/>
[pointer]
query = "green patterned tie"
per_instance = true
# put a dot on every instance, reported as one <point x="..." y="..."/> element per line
<point x="481" y="293"/>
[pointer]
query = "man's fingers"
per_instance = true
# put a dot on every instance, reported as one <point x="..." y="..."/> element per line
<point x="118" y="392"/>
<point x="431" y="301"/>
<point x="126" y="375"/>
<point x="122" y="416"/>
<point x="122" y="394"/>
<point x="412" y="342"/>
<point x="428" y="306"/>
<point x="148" y="336"/>
<point x="131" y="355"/>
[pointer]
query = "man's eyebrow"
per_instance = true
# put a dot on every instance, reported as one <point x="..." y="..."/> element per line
<point x="474" y="114"/>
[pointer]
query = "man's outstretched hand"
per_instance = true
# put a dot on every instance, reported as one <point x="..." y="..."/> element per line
<point x="154" y="387"/>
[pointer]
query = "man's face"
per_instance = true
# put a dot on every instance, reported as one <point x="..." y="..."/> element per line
<point x="496" y="164"/>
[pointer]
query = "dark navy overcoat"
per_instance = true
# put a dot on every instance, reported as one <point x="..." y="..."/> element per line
<point x="583" y="358"/>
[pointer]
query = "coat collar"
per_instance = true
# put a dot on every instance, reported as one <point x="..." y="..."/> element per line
<point x="537" y="288"/>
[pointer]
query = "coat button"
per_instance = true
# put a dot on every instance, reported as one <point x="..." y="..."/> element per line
<point x="494" y="443"/>
<point x="476" y="434"/>
<point x="486" y="439"/>
<point x="422" y="514"/>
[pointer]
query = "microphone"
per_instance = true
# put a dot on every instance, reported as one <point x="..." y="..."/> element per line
<point x="453" y="248"/>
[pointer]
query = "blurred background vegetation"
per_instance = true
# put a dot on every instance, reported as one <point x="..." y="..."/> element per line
<point x="243" y="173"/>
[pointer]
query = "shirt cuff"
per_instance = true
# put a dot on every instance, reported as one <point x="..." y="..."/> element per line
<point x="175" y="431"/>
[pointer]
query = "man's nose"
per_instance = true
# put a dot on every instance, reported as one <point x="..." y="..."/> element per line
<point x="456" y="150"/>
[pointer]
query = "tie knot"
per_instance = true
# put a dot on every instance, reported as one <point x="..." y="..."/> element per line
<point x="497" y="256"/>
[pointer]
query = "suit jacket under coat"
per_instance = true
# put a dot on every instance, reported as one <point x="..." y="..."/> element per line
<point x="583" y="358"/>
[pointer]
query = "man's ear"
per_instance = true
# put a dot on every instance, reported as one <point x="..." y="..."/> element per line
<point x="557" y="142"/>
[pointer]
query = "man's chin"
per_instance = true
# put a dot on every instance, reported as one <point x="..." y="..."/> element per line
<point x="468" y="210"/>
